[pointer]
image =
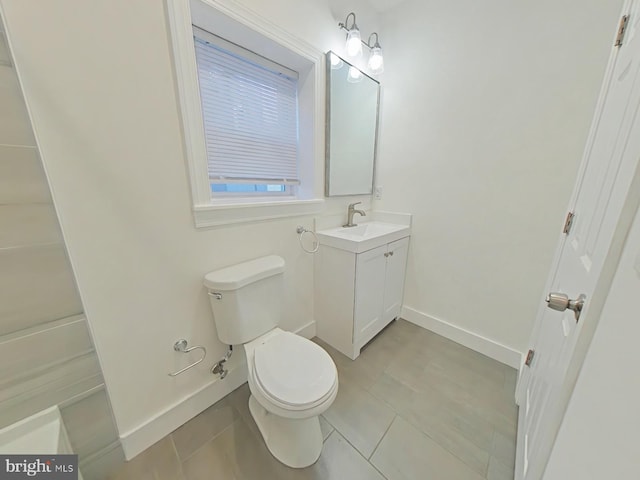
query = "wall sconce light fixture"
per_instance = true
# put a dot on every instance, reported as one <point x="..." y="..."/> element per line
<point x="355" y="42"/>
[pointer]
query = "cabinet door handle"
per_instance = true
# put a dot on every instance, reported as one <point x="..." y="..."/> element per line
<point x="391" y="253"/>
<point x="386" y="254"/>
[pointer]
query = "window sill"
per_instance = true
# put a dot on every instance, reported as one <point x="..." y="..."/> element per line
<point x="227" y="213"/>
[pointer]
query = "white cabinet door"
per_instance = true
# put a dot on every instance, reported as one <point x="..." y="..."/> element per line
<point x="369" y="294"/>
<point x="394" y="279"/>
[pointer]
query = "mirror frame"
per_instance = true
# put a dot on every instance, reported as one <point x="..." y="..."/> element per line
<point x="327" y="158"/>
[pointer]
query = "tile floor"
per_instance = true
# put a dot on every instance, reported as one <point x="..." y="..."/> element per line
<point x="414" y="405"/>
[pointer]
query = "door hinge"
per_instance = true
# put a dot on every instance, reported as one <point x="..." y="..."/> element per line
<point x="621" y="30"/>
<point x="568" y="223"/>
<point x="529" y="359"/>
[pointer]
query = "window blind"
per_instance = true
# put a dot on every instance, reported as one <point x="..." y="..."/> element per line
<point x="250" y="114"/>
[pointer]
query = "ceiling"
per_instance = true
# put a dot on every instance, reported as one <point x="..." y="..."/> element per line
<point x="381" y="6"/>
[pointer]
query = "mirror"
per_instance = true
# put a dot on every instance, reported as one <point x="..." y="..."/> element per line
<point x="353" y="100"/>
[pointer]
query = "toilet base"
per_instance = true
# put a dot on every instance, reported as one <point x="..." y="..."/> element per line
<point x="295" y="442"/>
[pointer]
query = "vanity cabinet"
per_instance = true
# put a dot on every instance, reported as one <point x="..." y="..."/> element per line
<point x="358" y="294"/>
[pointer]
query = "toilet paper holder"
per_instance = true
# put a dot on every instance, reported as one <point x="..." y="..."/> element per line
<point x="181" y="346"/>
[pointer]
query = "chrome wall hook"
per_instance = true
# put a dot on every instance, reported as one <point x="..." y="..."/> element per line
<point x="181" y="346"/>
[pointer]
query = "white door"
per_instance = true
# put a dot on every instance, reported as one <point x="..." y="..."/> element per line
<point x="610" y="160"/>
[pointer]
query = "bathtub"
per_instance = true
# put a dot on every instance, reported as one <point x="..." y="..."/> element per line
<point x="41" y="433"/>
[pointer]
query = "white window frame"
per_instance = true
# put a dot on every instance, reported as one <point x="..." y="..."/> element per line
<point x="243" y="27"/>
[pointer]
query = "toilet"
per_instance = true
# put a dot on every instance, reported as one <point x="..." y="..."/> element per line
<point x="292" y="380"/>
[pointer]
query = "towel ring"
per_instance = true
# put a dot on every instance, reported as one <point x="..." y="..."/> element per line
<point x="300" y="230"/>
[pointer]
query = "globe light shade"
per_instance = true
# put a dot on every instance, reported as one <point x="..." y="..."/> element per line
<point x="354" y="43"/>
<point x="376" y="61"/>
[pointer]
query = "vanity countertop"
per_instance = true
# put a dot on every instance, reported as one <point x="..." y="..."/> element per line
<point x="364" y="236"/>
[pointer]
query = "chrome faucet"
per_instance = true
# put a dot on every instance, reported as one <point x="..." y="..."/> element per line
<point x="351" y="212"/>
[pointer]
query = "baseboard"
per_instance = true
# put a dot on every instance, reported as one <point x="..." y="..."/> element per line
<point x="103" y="463"/>
<point x="308" y="330"/>
<point x="490" y="348"/>
<point x="142" y="437"/>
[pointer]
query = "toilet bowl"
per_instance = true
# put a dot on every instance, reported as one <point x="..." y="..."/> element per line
<point x="292" y="380"/>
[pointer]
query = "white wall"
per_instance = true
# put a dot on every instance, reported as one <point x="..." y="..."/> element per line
<point x="598" y="436"/>
<point x="486" y="110"/>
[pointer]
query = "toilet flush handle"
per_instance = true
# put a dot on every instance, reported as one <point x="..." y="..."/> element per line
<point x="216" y="295"/>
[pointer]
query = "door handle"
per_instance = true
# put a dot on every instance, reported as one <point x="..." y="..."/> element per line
<point x="561" y="301"/>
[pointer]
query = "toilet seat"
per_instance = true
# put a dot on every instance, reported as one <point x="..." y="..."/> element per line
<point x="293" y="372"/>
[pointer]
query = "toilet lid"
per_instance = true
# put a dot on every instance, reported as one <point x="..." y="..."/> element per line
<point x="294" y="370"/>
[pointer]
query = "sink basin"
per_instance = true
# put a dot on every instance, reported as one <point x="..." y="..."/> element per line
<point x="363" y="237"/>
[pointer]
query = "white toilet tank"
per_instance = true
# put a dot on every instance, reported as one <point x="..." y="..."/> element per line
<point x="246" y="299"/>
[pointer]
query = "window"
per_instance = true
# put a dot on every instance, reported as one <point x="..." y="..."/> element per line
<point x="250" y="116"/>
<point x="293" y="184"/>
